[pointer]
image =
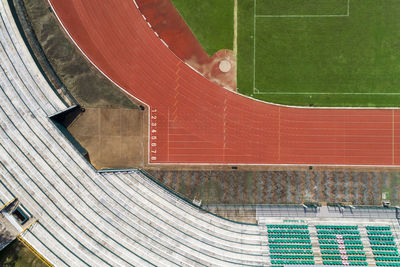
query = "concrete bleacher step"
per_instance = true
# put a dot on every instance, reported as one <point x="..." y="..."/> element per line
<point x="315" y="244"/>
<point x="31" y="73"/>
<point x="33" y="151"/>
<point x="165" y="196"/>
<point x="367" y="246"/>
<point x="396" y="233"/>
<point x="142" y="191"/>
<point x="43" y="161"/>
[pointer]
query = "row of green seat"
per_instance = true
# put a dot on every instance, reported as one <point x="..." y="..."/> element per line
<point x="387" y="258"/>
<point x="280" y="240"/>
<point x="350" y="252"/>
<point x="348" y="247"/>
<point x="382" y="238"/>
<point x="290" y="251"/>
<point x="378" y="228"/>
<point x="327" y="241"/>
<point x="305" y="236"/>
<point x="383" y="248"/>
<point x="352" y="263"/>
<point x="384" y="243"/>
<point x="290" y="246"/>
<point x="385" y="253"/>
<point x="329" y="246"/>
<point x="334" y="236"/>
<point x="355" y="258"/>
<point x="359" y="263"/>
<point x="292" y="257"/>
<point x="292" y="262"/>
<point x="391" y="264"/>
<point x="288" y="226"/>
<point x="379" y="233"/>
<point x="337" y="227"/>
<point x="343" y="232"/>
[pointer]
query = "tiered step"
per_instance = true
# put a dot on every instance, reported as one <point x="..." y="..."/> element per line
<point x="367" y="247"/>
<point x="315" y="245"/>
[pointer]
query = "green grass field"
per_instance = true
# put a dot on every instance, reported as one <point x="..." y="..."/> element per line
<point x="210" y="21"/>
<point x="319" y="52"/>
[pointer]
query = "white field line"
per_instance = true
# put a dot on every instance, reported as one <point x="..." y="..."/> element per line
<point x="235" y="23"/>
<point x="228" y="91"/>
<point x="235" y="33"/>
<point x="256" y="91"/>
<point x="254" y="45"/>
<point x="348" y="7"/>
<point x="255" y="16"/>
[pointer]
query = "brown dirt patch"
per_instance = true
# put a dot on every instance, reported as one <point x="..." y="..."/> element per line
<point x="113" y="137"/>
<point x="172" y="29"/>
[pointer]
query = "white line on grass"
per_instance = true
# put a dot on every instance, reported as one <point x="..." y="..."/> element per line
<point x="235" y="18"/>
<point x="254" y="45"/>
<point x="348" y="7"/>
<point x="256" y="91"/>
<point x="235" y="32"/>
<point x="255" y="16"/>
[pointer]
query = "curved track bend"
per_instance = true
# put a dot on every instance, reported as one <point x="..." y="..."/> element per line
<point x="194" y="121"/>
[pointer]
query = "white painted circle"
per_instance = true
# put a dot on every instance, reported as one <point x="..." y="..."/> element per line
<point x="224" y="66"/>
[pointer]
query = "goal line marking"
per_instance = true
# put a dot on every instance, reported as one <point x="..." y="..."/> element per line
<point x="255" y="16"/>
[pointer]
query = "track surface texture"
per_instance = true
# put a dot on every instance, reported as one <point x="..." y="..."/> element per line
<point x="194" y="121"/>
<point x="166" y="21"/>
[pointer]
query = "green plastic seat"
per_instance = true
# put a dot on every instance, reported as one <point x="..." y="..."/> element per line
<point x="387" y="259"/>
<point x="384" y="248"/>
<point x="378" y="228"/>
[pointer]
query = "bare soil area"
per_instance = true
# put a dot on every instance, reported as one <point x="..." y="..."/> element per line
<point x="113" y="137"/>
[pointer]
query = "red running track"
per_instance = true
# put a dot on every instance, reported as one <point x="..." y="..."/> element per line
<point x="193" y="120"/>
